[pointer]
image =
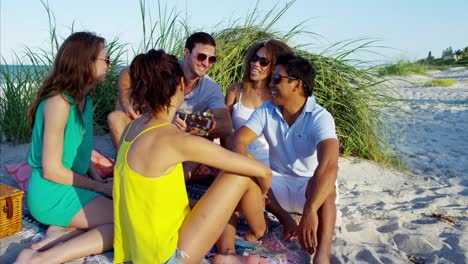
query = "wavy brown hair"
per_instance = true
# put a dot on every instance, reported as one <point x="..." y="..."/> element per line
<point x="273" y="49"/>
<point x="154" y="78"/>
<point x="73" y="69"/>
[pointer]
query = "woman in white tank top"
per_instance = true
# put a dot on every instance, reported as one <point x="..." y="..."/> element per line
<point x="242" y="98"/>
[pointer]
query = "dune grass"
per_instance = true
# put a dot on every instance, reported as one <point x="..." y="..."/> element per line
<point x="348" y="92"/>
<point x="403" y="68"/>
<point x="440" y="83"/>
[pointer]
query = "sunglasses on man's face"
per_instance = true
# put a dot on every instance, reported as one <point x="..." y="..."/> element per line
<point x="202" y="57"/>
<point x="106" y="59"/>
<point x="276" y="78"/>
<point x="262" y="60"/>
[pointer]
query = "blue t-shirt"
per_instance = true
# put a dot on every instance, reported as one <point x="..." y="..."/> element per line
<point x="293" y="150"/>
<point x="206" y="95"/>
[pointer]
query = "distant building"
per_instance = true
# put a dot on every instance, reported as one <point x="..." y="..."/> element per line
<point x="448" y="57"/>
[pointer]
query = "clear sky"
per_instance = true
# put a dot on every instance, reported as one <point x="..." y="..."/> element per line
<point x="408" y="28"/>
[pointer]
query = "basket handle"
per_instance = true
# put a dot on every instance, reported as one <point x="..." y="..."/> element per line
<point x="8" y="208"/>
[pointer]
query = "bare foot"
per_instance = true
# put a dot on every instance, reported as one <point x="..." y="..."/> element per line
<point x="27" y="256"/>
<point x="251" y="237"/>
<point x="322" y="258"/>
<point x="235" y="259"/>
<point x="54" y="235"/>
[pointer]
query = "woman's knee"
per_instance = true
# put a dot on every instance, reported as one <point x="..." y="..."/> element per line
<point x="97" y="212"/>
<point x="117" y="117"/>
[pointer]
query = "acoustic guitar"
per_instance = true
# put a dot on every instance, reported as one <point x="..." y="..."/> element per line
<point x="198" y="123"/>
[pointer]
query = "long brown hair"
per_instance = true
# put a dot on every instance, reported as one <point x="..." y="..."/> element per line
<point x="154" y="78"/>
<point x="73" y="69"/>
<point x="273" y="49"/>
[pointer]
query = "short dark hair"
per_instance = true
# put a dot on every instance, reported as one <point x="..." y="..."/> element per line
<point x="300" y="68"/>
<point x="199" y="37"/>
<point x="154" y="79"/>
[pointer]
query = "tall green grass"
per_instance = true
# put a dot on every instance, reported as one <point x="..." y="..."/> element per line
<point x="18" y="89"/>
<point x="403" y="68"/>
<point x="348" y="92"/>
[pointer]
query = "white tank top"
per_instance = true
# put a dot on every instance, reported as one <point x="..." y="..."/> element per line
<point x="240" y="115"/>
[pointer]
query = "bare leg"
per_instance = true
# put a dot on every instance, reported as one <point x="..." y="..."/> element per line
<point x="326" y="229"/>
<point x="55" y="235"/>
<point x="233" y="259"/>
<point x="251" y="207"/>
<point x="96" y="221"/>
<point x="225" y="243"/>
<point x="117" y="122"/>
<point x="205" y="223"/>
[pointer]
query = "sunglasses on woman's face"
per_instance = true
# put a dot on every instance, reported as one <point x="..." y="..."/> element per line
<point x="106" y="59"/>
<point x="276" y="78"/>
<point x="262" y="60"/>
<point x="202" y="57"/>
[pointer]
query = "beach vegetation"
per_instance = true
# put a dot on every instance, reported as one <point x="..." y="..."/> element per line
<point x="440" y="82"/>
<point x="403" y="68"/>
<point x="348" y="92"/>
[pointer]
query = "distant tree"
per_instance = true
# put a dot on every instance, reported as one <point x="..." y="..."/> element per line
<point x="448" y="52"/>
<point x="458" y="54"/>
<point x="465" y="52"/>
<point x="429" y="56"/>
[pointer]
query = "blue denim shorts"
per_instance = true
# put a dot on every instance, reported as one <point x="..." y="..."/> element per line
<point x="173" y="259"/>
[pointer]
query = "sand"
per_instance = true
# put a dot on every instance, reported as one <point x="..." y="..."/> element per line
<point x="416" y="215"/>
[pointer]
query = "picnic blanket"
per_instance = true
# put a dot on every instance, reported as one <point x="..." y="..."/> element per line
<point x="270" y="246"/>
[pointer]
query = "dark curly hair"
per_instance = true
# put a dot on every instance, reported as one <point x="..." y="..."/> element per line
<point x="154" y="78"/>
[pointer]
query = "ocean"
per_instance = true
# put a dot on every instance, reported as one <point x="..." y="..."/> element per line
<point x="16" y="72"/>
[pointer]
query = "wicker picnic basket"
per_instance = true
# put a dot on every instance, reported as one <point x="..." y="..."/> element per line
<point x="10" y="210"/>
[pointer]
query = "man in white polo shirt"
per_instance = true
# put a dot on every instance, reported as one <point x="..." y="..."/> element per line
<point x="304" y="153"/>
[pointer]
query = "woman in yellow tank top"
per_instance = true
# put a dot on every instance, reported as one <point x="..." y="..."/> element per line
<point x="153" y="220"/>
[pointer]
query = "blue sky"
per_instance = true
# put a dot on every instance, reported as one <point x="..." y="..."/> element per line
<point x="408" y="28"/>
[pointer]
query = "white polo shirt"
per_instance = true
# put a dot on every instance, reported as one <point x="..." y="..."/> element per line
<point x="293" y="150"/>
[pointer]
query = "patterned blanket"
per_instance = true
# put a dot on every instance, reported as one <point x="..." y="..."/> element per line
<point x="270" y="246"/>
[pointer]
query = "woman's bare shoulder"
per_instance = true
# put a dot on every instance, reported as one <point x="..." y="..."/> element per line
<point x="57" y="103"/>
<point x="234" y="88"/>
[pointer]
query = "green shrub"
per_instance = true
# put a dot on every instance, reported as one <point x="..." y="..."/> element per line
<point x="403" y="68"/>
<point x="440" y="82"/>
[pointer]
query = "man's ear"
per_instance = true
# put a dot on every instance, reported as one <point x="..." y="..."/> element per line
<point x="186" y="52"/>
<point x="298" y="86"/>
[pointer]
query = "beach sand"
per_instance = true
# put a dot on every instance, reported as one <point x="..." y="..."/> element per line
<point x="418" y="215"/>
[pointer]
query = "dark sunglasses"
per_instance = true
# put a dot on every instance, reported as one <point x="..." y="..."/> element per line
<point x="276" y="78"/>
<point x="106" y="59"/>
<point x="202" y="57"/>
<point x="263" y="61"/>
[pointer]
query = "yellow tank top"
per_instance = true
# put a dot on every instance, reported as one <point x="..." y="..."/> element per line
<point x="148" y="212"/>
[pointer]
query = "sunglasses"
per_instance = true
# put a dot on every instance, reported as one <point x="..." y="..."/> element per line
<point x="202" y="57"/>
<point x="276" y="78"/>
<point x="106" y="59"/>
<point x="262" y="60"/>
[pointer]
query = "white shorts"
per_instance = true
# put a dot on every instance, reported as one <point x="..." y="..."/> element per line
<point x="290" y="192"/>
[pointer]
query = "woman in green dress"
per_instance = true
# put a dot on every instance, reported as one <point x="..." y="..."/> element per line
<point x="76" y="207"/>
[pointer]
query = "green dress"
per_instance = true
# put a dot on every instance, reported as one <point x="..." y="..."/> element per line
<point x="49" y="202"/>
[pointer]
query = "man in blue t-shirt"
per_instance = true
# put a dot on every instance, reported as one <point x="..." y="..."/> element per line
<point x="304" y="153"/>
<point x="201" y="92"/>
